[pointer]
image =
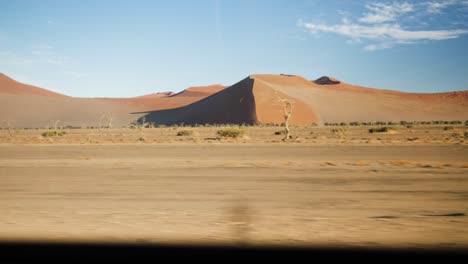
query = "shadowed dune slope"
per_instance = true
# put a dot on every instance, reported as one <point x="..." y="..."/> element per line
<point x="327" y="100"/>
<point x="232" y="105"/>
<point x="248" y="101"/>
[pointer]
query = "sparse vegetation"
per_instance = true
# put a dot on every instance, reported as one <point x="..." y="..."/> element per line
<point x="53" y="133"/>
<point x="454" y="134"/>
<point x="340" y="131"/>
<point x="230" y="132"/>
<point x="184" y="133"/>
<point x="380" y="129"/>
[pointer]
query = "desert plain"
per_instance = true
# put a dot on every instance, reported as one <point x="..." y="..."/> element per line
<point x="327" y="186"/>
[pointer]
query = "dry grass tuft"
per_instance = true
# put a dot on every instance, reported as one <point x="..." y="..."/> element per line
<point x="231" y="132"/>
<point x="184" y="133"/>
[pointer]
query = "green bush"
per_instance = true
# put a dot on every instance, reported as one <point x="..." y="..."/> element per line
<point x="230" y="132"/>
<point x="448" y="128"/>
<point x="184" y="133"/>
<point x="53" y="133"/>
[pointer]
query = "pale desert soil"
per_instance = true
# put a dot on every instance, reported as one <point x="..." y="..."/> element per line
<point x="303" y="135"/>
<point x="262" y="193"/>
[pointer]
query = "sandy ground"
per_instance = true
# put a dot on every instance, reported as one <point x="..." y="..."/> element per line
<point x="263" y="193"/>
<point x="304" y="135"/>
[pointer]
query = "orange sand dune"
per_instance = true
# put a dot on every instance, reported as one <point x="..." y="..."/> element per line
<point x="197" y="91"/>
<point x="10" y="86"/>
<point x="166" y="100"/>
<point x="29" y="106"/>
<point x="254" y="100"/>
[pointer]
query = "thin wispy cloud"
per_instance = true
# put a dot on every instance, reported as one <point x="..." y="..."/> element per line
<point x="436" y="7"/>
<point x="380" y="27"/>
<point x="381" y="12"/>
<point x="383" y="32"/>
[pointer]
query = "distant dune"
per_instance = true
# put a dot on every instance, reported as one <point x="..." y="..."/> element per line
<point x="197" y="91"/>
<point x="253" y="100"/>
<point x="29" y="106"/>
<point x="10" y="86"/>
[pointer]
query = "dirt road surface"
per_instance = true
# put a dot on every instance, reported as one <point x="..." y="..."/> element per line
<point x="414" y="196"/>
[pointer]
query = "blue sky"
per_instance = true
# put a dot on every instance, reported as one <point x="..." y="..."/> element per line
<point x="117" y="48"/>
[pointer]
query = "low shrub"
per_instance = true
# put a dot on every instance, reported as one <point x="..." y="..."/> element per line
<point x="448" y="128"/>
<point x="380" y="129"/>
<point x="184" y="133"/>
<point x="53" y="133"/>
<point x="230" y="132"/>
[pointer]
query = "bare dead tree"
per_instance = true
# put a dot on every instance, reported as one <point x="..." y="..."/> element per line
<point x="8" y="126"/>
<point x="140" y="126"/>
<point x="111" y="119"/>
<point x="101" y="120"/>
<point x="287" y="110"/>
<point x="106" y="120"/>
<point x="56" y="124"/>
